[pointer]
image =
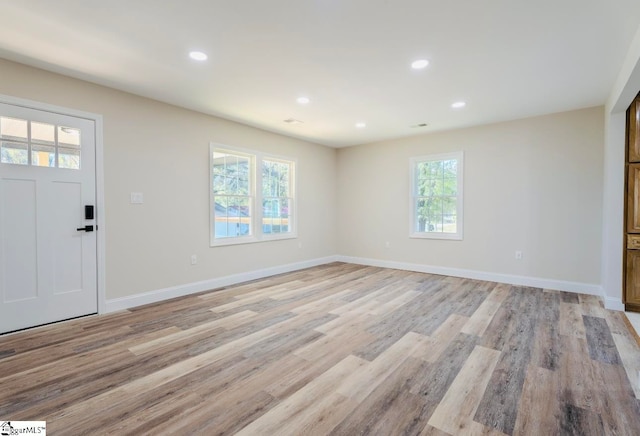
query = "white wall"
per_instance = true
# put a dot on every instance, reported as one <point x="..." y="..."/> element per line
<point x="533" y="185"/>
<point x="162" y="151"/>
<point x="624" y="91"/>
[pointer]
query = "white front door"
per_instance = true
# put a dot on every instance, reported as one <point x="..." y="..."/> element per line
<point x="48" y="253"/>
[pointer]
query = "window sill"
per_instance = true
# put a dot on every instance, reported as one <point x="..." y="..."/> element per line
<point x="436" y="235"/>
<point x="251" y="240"/>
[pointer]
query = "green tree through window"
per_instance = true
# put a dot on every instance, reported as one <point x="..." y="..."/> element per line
<point x="436" y="199"/>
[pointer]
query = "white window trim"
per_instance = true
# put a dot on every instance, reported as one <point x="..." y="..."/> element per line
<point x="256" y="199"/>
<point x="459" y="155"/>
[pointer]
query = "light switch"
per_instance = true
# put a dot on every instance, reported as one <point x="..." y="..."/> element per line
<point x="137" y="198"/>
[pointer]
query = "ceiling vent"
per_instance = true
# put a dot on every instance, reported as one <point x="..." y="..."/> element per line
<point x="292" y="121"/>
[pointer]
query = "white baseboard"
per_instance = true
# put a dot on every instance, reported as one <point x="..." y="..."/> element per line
<point x="613" y="304"/>
<point x="535" y="282"/>
<point x="123" y="303"/>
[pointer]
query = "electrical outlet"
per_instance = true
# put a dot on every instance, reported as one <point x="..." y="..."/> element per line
<point x="137" y="198"/>
<point x="518" y="255"/>
<point x="194" y="259"/>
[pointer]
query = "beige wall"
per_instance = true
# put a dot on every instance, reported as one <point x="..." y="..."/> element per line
<point x="533" y="185"/>
<point x="162" y="151"/>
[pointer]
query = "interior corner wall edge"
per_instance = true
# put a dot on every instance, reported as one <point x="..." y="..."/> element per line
<point x="163" y="152"/>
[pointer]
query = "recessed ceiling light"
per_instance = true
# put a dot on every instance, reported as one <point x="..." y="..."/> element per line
<point x="198" y="56"/>
<point x="361" y="125"/>
<point x="303" y="100"/>
<point x="458" y="105"/>
<point x="419" y="64"/>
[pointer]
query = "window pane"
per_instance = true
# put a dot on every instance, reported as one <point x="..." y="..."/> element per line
<point x="431" y="187"/>
<point x="218" y="183"/>
<point x="43" y="133"/>
<point x="13" y="153"/>
<point x="243" y="187"/>
<point x="69" y="158"/>
<point x="434" y="223"/>
<point x="68" y="136"/>
<point x="233" y="226"/>
<point x="43" y="156"/>
<point x="220" y="217"/>
<point x="13" y="128"/>
<point x="243" y="209"/>
<point x="450" y="168"/>
<point x="449" y="224"/>
<point x="435" y="169"/>
<point x="275" y="179"/>
<point x="243" y="168"/>
<point x="436" y="195"/>
<point x="275" y="215"/>
<point x="449" y="186"/>
<point x="449" y="205"/>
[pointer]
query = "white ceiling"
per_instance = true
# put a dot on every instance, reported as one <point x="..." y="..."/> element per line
<point x="507" y="59"/>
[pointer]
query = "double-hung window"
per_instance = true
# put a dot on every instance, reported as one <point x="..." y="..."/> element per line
<point x="252" y="196"/>
<point x="436" y="198"/>
<point x="277" y="196"/>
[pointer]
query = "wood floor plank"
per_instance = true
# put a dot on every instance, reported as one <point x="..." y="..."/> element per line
<point x="617" y="405"/>
<point x="338" y="349"/>
<point x="539" y="409"/>
<point x="455" y="410"/>
<point x="576" y="374"/>
<point x="391" y="408"/>
<point x="571" y="323"/>
<point x="360" y="385"/>
<point x="592" y="306"/>
<point x="499" y="406"/>
<point x="601" y="344"/>
<point x="578" y="421"/>
<point x="211" y="327"/>
<point x="434" y="382"/>
<point x="546" y="345"/>
<point x="291" y="413"/>
<point x="443" y="336"/>
<point x="481" y="318"/>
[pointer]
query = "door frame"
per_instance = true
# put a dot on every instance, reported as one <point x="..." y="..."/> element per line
<point x="100" y="215"/>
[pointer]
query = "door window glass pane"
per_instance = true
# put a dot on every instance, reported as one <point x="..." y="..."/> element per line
<point x="13" y="128"/>
<point x="43" y="156"/>
<point x="43" y="133"/>
<point x="68" y="158"/>
<point x="68" y="136"/>
<point x="42" y="142"/>
<point x="14" y="153"/>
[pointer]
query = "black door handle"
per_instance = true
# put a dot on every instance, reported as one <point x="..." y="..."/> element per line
<point x="85" y="229"/>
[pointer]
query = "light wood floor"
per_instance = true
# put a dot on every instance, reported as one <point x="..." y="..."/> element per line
<point x="339" y="349"/>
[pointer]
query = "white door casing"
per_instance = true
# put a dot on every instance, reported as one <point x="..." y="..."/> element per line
<point x="48" y="268"/>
